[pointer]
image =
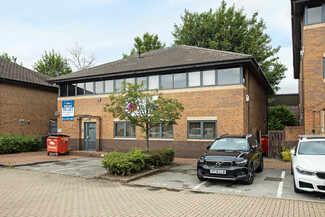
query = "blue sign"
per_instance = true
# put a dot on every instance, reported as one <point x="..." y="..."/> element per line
<point x="67" y="110"/>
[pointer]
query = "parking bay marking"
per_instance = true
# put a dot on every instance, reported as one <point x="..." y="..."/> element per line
<point x="71" y="168"/>
<point x="199" y="185"/>
<point x="279" y="193"/>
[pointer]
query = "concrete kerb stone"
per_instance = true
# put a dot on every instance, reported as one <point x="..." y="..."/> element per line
<point x="135" y="177"/>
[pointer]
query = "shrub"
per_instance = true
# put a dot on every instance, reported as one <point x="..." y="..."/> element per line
<point x="279" y="117"/>
<point x="286" y="154"/>
<point x="19" y="143"/>
<point x="136" y="160"/>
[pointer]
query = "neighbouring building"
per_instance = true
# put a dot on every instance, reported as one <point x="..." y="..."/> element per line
<point x="308" y="40"/>
<point x="27" y="101"/>
<point x="222" y="93"/>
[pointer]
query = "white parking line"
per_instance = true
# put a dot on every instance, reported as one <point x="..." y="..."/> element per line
<point x="279" y="194"/>
<point x="71" y="168"/>
<point x="198" y="186"/>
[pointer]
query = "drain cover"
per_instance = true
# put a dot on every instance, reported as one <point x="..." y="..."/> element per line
<point x="276" y="179"/>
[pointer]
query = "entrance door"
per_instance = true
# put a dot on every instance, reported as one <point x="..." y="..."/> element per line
<point x="90" y="136"/>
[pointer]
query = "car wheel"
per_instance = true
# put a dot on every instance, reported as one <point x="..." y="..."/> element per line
<point x="295" y="187"/>
<point x="201" y="178"/>
<point x="261" y="166"/>
<point x="250" y="175"/>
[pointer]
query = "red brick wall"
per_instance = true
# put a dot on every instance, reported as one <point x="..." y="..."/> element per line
<point x="35" y="105"/>
<point x="314" y="84"/>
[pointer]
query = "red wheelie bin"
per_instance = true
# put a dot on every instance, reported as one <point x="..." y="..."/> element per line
<point x="58" y="144"/>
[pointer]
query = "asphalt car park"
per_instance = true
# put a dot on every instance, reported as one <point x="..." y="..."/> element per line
<point x="87" y="167"/>
<point x="269" y="183"/>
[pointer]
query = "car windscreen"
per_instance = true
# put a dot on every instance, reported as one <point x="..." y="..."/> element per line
<point x="312" y="148"/>
<point x="230" y="144"/>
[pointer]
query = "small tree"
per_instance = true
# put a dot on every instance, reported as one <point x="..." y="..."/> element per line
<point x="279" y="117"/>
<point x="78" y="61"/>
<point x="143" y="108"/>
<point x="52" y="64"/>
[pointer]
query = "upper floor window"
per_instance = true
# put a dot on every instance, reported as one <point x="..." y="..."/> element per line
<point x="314" y="14"/>
<point x="89" y="88"/>
<point x="99" y="87"/>
<point x="229" y="76"/>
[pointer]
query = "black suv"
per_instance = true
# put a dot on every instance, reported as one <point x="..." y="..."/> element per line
<point x="231" y="157"/>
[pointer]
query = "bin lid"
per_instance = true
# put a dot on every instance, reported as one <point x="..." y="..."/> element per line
<point x="57" y="135"/>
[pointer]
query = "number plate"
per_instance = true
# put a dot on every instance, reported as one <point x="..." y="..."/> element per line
<point x="218" y="171"/>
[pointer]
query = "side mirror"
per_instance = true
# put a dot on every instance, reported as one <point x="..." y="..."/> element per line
<point x="293" y="152"/>
<point x="208" y="147"/>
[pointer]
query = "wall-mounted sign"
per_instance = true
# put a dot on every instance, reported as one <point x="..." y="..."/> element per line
<point x="67" y="110"/>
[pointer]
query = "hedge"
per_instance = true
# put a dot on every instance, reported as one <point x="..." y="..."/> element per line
<point x="136" y="160"/>
<point x="19" y="143"/>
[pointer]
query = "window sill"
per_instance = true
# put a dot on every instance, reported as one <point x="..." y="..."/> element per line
<point x="164" y="139"/>
<point x="200" y="140"/>
<point x="125" y="138"/>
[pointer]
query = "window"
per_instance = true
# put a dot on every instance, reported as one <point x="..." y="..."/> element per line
<point x="109" y="86"/>
<point x="180" y="80"/>
<point x="153" y="82"/>
<point x="194" y="79"/>
<point x="313" y="14"/>
<point x="209" y="77"/>
<point x="80" y="89"/>
<point x="130" y="80"/>
<point x="161" y="131"/>
<point x="144" y="80"/>
<point x="63" y="90"/>
<point x="71" y="89"/>
<point x="118" y="84"/>
<point x="124" y="129"/>
<point x="99" y="87"/>
<point x="89" y="88"/>
<point x="202" y="129"/>
<point x="166" y="81"/>
<point x="229" y="76"/>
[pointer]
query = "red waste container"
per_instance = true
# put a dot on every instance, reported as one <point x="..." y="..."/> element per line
<point x="58" y="144"/>
<point x="265" y="144"/>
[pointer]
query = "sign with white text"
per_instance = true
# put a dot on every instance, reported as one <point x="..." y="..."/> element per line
<point x="67" y="110"/>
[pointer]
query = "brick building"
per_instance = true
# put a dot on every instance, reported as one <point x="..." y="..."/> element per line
<point x="27" y="101"/>
<point x="222" y="92"/>
<point x="308" y="36"/>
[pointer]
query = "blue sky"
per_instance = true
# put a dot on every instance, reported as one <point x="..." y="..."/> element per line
<point x="107" y="28"/>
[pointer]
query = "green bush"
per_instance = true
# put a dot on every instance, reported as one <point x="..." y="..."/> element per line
<point x="136" y="160"/>
<point x="286" y="154"/>
<point x="19" y="143"/>
<point x="279" y="117"/>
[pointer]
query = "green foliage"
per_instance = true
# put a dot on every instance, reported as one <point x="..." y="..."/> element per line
<point x="136" y="160"/>
<point x="229" y="29"/>
<point x="148" y="111"/>
<point x="7" y="57"/>
<point x="286" y="154"/>
<point x="19" y="143"/>
<point x="147" y="43"/>
<point x="52" y="64"/>
<point x="279" y="117"/>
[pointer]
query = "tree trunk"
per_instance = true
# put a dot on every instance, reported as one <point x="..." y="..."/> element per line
<point x="147" y="137"/>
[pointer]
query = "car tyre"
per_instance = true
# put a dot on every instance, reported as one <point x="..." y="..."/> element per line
<point x="250" y="175"/>
<point x="295" y="187"/>
<point x="261" y="166"/>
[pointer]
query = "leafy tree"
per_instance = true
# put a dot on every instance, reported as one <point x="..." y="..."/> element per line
<point x="9" y="58"/>
<point x="78" y="61"/>
<point x="143" y="108"/>
<point x="279" y="117"/>
<point x="147" y="43"/>
<point x="52" y="64"/>
<point x="229" y="29"/>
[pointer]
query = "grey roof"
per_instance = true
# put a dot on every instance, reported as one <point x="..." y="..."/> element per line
<point x="162" y="58"/>
<point x="14" y="72"/>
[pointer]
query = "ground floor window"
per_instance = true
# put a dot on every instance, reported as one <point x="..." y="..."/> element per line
<point x="161" y="131"/>
<point x="202" y="129"/>
<point x="124" y="129"/>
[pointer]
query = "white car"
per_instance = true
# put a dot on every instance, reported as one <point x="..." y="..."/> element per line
<point x="308" y="164"/>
